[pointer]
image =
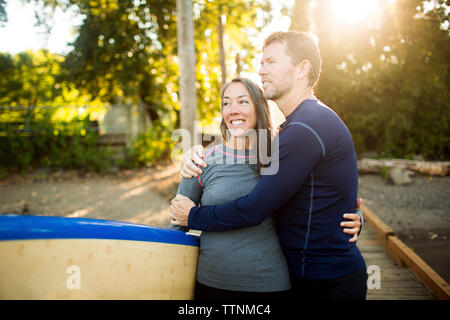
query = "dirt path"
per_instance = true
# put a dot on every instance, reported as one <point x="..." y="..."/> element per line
<point x="138" y="196"/>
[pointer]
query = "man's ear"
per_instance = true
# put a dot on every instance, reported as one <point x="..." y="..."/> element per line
<point x="303" y="69"/>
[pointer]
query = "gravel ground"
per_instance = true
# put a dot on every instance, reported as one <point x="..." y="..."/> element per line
<point x="418" y="213"/>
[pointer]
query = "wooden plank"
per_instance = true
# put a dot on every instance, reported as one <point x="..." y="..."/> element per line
<point x="404" y="291"/>
<point x="382" y="230"/>
<point x="396" y="297"/>
<point x="437" y="285"/>
<point x="396" y="283"/>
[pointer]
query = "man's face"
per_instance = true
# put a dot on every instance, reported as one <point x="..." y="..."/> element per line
<point x="277" y="71"/>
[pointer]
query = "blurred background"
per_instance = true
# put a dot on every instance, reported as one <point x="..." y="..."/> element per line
<point x="102" y="76"/>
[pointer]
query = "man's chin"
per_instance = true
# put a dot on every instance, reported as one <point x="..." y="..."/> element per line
<point x="270" y="95"/>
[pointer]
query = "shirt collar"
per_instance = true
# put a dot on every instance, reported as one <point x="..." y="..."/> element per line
<point x="295" y="112"/>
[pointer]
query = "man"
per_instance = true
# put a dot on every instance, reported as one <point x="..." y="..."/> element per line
<point x="316" y="182"/>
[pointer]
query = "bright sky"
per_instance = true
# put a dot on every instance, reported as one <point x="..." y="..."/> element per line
<point x="354" y="11"/>
<point x="20" y="34"/>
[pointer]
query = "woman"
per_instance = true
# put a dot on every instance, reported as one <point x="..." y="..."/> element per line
<point x="247" y="263"/>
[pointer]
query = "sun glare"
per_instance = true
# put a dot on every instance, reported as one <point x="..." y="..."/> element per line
<point x="354" y="11"/>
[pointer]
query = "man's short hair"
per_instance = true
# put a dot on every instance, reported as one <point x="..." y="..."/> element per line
<point x="299" y="46"/>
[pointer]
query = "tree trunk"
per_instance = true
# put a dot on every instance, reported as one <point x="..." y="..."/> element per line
<point x="436" y="168"/>
<point x="186" y="55"/>
<point x="223" y="66"/>
<point x="238" y="65"/>
<point x="300" y="20"/>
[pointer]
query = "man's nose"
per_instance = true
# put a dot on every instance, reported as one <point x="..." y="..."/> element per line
<point x="262" y="71"/>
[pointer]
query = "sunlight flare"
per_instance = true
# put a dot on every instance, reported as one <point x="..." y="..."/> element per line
<point x="354" y="11"/>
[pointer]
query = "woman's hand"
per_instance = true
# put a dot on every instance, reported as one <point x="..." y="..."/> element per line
<point x="179" y="210"/>
<point x="192" y="156"/>
<point x="353" y="227"/>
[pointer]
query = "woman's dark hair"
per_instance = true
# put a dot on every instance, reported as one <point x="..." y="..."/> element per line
<point x="262" y="116"/>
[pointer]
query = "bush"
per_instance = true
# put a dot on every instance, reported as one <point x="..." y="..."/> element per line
<point x="154" y="145"/>
<point x="66" y="145"/>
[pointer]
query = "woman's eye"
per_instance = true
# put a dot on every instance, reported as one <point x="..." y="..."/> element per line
<point x="243" y="102"/>
<point x="225" y="104"/>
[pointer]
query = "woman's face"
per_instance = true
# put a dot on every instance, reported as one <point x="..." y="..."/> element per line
<point x="238" y="110"/>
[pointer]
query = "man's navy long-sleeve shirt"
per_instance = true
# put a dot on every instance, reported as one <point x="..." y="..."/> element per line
<point x="316" y="183"/>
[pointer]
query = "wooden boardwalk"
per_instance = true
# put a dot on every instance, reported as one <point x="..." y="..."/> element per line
<point x="396" y="283"/>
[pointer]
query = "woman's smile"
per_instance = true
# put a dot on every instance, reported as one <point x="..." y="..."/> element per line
<point x="238" y="110"/>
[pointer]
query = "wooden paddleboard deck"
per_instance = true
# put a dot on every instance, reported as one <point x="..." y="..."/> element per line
<point x="74" y="258"/>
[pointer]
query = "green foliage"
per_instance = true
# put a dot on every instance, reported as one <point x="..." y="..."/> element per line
<point x="34" y="131"/>
<point x="3" y="15"/>
<point x="384" y="172"/>
<point x="36" y="78"/>
<point x="389" y="80"/>
<point x="240" y="25"/>
<point x="55" y="145"/>
<point x="126" y="52"/>
<point x="151" y="146"/>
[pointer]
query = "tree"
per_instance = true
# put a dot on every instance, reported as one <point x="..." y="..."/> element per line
<point x="126" y="50"/>
<point x="3" y="15"/>
<point x="32" y="86"/>
<point x="388" y="79"/>
<point x="300" y="17"/>
<point x="124" y="53"/>
<point x="35" y="78"/>
<point x="186" y="55"/>
<point x="241" y="21"/>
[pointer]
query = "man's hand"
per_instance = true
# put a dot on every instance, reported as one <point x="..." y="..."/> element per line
<point x="353" y="227"/>
<point x="194" y="155"/>
<point x="179" y="210"/>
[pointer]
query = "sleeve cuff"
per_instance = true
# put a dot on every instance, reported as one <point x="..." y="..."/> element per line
<point x="191" y="219"/>
<point x="359" y="211"/>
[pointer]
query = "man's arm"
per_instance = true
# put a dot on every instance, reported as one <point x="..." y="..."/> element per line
<point x="300" y="150"/>
<point x="183" y="205"/>
<point x="189" y="188"/>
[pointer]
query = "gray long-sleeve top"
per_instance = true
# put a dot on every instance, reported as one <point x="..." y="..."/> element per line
<point x="247" y="259"/>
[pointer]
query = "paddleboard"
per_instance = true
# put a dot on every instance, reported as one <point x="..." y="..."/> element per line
<point x="44" y="257"/>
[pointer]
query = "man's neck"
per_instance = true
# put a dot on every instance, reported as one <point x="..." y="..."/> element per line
<point x="291" y="100"/>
